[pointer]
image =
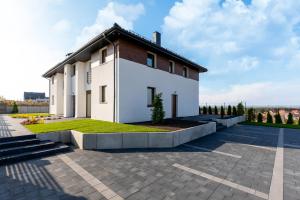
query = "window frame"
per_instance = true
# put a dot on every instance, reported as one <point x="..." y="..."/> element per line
<point x="153" y="92"/>
<point x="103" y="58"/>
<point x="102" y="95"/>
<point x="172" y="71"/>
<point x="73" y="70"/>
<point x="185" y="72"/>
<point x="154" y="59"/>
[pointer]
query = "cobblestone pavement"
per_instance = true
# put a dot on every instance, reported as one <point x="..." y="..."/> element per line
<point x="244" y="171"/>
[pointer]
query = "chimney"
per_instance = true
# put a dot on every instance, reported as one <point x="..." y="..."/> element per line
<point x="156" y="38"/>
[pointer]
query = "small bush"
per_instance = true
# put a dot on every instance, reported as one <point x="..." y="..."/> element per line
<point x="259" y="118"/>
<point x="269" y="118"/>
<point x="209" y="110"/>
<point x="278" y="119"/>
<point x="240" y="109"/>
<point x="33" y="120"/>
<point x="290" y="119"/>
<point x="234" y="112"/>
<point x="158" y="112"/>
<point x="216" y="110"/>
<point x="204" y="110"/>
<point x="251" y="115"/>
<point x="222" y="112"/>
<point x="15" y="108"/>
<point x="229" y="112"/>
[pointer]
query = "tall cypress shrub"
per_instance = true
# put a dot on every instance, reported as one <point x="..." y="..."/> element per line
<point x="234" y="112"/>
<point x="269" y="118"/>
<point x="216" y="110"/>
<point x="299" y="121"/>
<point x="222" y="112"/>
<point x="278" y="119"/>
<point x="204" y="110"/>
<point x="259" y="118"/>
<point x="229" y="110"/>
<point x="290" y="119"/>
<point x="251" y="115"/>
<point x="158" y="112"/>
<point x="15" y="108"/>
<point x="240" y="109"/>
<point x="209" y="110"/>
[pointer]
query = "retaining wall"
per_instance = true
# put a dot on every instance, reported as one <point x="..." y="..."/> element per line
<point x="231" y="121"/>
<point x="25" y="109"/>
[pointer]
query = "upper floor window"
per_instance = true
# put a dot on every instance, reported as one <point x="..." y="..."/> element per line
<point x="151" y="60"/>
<point x="150" y="96"/>
<point x="103" y="56"/>
<point x="171" y="66"/>
<point x="89" y="75"/>
<point x="52" y="80"/>
<point x="73" y="70"/>
<point x="185" y="72"/>
<point x="102" y="94"/>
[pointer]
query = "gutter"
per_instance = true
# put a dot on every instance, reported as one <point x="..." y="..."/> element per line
<point x="115" y="85"/>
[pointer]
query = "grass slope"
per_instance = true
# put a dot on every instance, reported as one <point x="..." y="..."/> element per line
<point x="292" y="126"/>
<point x="27" y="115"/>
<point x="90" y="126"/>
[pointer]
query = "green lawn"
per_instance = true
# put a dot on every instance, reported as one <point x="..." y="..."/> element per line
<point x="27" y="115"/>
<point x="294" y="126"/>
<point x="90" y="126"/>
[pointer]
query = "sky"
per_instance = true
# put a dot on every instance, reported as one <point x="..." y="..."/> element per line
<point x="251" y="48"/>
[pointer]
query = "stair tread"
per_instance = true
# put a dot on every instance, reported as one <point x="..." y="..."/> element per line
<point x="16" y="138"/>
<point x="42" y="143"/>
<point x="18" y="141"/>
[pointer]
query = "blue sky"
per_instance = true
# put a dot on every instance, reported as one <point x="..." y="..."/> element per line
<point x="251" y="48"/>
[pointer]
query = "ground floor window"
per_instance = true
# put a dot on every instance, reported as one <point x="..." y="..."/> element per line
<point x="150" y="96"/>
<point x="102" y="94"/>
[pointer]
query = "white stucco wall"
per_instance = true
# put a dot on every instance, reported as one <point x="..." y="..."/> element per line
<point x="68" y="105"/>
<point x="57" y="90"/>
<point x="80" y="91"/>
<point x="134" y="79"/>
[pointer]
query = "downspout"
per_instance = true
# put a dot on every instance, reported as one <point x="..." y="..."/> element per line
<point x="115" y="85"/>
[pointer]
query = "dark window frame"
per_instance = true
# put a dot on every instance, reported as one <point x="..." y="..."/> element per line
<point x="153" y="57"/>
<point x="103" y="55"/>
<point x="171" y="67"/>
<point x="102" y="94"/>
<point x="185" y="72"/>
<point x="153" y="92"/>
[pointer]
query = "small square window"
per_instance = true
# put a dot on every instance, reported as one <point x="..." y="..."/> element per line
<point x="185" y="72"/>
<point x="102" y="94"/>
<point x="150" y="60"/>
<point x="150" y="96"/>
<point x="171" y="67"/>
<point x="103" y="56"/>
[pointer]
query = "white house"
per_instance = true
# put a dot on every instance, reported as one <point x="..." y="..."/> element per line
<point x="115" y="76"/>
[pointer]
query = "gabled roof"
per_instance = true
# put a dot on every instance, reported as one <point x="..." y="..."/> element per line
<point x="84" y="53"/>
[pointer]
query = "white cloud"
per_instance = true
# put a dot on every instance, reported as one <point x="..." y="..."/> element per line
<point x="123" y="14"/>
<point x="261" y="93"/>
<point x="62" y="26"/>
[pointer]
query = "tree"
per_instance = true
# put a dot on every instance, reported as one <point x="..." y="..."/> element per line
<point x="229" y="110"/>
<point x="251" y="115"/>
<point x="222" y="112"/>
<point x="240" y="109"/>
<point x="234" y="112"/>
<point x="204" y="110"/>
<point x="158" y="112"/>
<point x="290" y="119"/>
<point x="278" y="119"/>
<point x="259" y="118"/>
<point x="15" y="108"/>
<point x="269" y="118"/>
<point x="216" y="110"/>
<point x="209" y="110"/>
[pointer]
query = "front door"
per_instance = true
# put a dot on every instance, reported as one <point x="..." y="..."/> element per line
<point x="88" y="104"/>
<point x="174" y="105"/>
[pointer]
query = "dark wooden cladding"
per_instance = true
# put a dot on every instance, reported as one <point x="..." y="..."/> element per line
<point x="138" y="54"/>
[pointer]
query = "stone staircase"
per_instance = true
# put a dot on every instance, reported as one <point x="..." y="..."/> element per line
<point x="20" y="148"/>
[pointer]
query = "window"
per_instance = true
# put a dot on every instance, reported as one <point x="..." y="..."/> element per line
<point x="150" y="96"/>
<point x="102" y="94"/>
<point x="52" y="99"/>
<point x="151" y="60"/>
<point x="89" y="75"/>
<point x="103" y="56"/>
<point x="73" y="71"/>
<point x="52" y="80"/>
<point x="171" y="66"/>
<point x="185" y="72"/>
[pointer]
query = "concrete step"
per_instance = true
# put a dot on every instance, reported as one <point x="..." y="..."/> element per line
<point x="18" y="143"/>
<point x="27" y="148"/>
<point x="58" y="148"/>
<point x="16" y="138"/>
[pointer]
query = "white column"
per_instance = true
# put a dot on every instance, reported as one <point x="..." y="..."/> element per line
<point x="80" y="92"/>
<point x="67" y="91"/>
<point x="59" y="100"/>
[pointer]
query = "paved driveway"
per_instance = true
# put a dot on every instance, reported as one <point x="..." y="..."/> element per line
<point x="242" y="162"/>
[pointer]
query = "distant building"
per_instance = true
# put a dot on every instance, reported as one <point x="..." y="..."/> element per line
<point x="36" y="96"/>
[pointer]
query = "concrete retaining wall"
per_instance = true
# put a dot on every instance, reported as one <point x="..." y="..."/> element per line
<point x="130" y="140"/>
<point x="231" y="121"/>
<point x="26" y="109"/>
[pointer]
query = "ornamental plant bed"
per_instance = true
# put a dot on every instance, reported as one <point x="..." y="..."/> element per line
<point x="171" y="124"/>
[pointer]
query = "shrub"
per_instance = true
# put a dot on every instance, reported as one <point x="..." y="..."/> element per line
<point x="229" y="110"/>
<point x="216" y="110"/>
<point x="251" y="115"/>
<point x="269" y="118"/>
<point x="33" y="120"/>
<point x="259" y="118"/>
<point x="204" y="110"/>
<point x="290" y="119"/>
<point x="240" y="109"/>
<point x="278" y="119"/>
<point x="234" y="112"/>
<point x="209" y="110"/>
<point x="15" y="108"/>
<point x="222" y="112"/>
<point x="158" y="112"/>
<point x="299" y="121"/>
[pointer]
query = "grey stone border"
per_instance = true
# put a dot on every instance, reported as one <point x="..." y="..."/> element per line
<point x="130" y="140"/>
<point x="231" y="121"/>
